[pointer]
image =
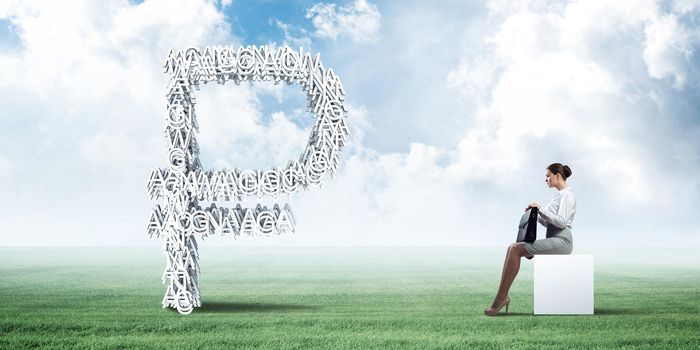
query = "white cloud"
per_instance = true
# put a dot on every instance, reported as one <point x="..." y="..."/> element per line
<point x="96" y="70"/>
<point x="234" y="131"/>
<point x="89" y="51"/>
<point x="359" y="20"/>
<point x="385" y="199"/>
<point x="508" y="7"/>
<point x="668" y="50"/>
<point x="294" y="36"/>
<point x="101" y="62"/>
<point x="554" y="82"/>
<point x="475" y="76"/>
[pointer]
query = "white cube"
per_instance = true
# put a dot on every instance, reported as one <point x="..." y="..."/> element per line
<point x="563" y="285"/>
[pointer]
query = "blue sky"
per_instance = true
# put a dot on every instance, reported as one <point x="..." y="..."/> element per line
<point x="456" y="108"/>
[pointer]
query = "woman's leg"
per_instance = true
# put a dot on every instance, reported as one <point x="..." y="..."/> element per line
<point x="511" y="266"/>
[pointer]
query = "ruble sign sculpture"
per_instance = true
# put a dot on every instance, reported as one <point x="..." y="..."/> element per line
<point x="184" y="184"/>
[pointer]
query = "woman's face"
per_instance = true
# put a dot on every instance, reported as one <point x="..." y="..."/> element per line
<point x="551" y="179"/>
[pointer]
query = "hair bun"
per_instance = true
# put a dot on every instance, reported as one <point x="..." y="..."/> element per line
<point x="567" y="171"/>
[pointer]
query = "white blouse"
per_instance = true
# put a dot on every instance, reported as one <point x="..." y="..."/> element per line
<point x="560" y="211"/>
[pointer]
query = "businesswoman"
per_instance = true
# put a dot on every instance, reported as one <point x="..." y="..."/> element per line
<point x="557" y="217"/>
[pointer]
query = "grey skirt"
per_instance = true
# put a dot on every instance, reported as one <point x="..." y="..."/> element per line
<point x="558" y="241"/>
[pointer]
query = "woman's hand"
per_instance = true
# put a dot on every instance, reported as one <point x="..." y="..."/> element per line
<point x="532" y="205"/>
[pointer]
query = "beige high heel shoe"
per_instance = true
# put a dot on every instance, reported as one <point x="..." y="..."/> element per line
<point x="493" y="311"/>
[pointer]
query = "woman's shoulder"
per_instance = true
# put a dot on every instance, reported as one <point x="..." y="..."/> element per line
<point x="567" y="192"/>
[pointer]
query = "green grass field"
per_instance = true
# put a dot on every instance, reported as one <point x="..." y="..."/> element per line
<point x="337" y="298"/>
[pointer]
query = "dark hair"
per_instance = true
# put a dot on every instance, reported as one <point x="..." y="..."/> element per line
<point x="557" y="168"/>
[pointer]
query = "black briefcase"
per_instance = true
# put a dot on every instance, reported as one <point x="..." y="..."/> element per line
<point x="527" y="230"/>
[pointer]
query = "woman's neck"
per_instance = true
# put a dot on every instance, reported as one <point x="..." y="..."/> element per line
<point x="561" y="186"/>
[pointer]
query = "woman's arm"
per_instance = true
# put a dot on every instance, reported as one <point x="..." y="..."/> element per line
<point x="566" y="208"/>
<point x="540" y="219"/>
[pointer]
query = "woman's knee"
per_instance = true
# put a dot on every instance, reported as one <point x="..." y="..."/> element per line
<point x="512" y="247"/>
<point x="518" y="249"/>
